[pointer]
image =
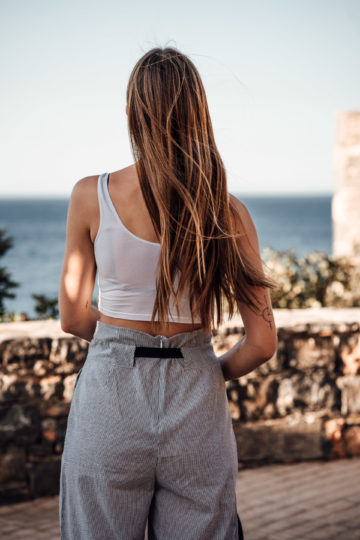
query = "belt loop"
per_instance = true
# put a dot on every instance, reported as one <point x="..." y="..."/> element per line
<point x="183" y="359"/>
<point x="131" y="354"/>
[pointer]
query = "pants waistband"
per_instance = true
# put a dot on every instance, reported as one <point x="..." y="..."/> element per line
<point x="129" y="336"/>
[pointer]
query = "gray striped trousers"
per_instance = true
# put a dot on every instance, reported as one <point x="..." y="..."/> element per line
<point x="149" y="441"/>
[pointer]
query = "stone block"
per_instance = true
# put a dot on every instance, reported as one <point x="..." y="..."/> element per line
<point x="252" y="388"/>
<point x="57" y="409"/>
<point x="311" y="352"/>
<point x="311" y="391"/>
<point x="59" y="350"/>
<point x="256" y="397"/>
<point x="24" y="351"/>
<point x="48" y="426"/>
<point x="235" y="411"/>
<point x="65" y="368"/>
<point x="68" y="350"/>
<point x="286" y="396"/>
<point x="334" y="442"/>
<point x="233" y="396"/>
<point x="14" y="492"/>
<point x="353" y="420"/>
<point x="267" y="392"/>
<point x="350" y="357"/>
<point x="269" y="411"/>
<point x="19" y="424"/>
<point x="338" y="450"/>
<point x="42" y="450"/>
<point x="44" y="476"/>
<point x="352" y="440"/>
<point x="237" y="389"/>
<point x="334" y="428"/>
<point x="51" y="387"/>
<point x="7" y="384"/>
<point x="69" y="383"/>
<point x="77" y="352"/>
<point x="58" y="448"/>
<point x="12" y="466"/>
<point x="249" y="410"/>
<point x="350" y="394"/>
<point x="43" y="367"/>
<point x="61" y="426"/>
<point x="16" y="387"/>
<point x="278" y="440"/>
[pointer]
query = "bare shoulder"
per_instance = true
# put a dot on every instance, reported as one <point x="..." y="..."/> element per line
<point x="85" y="187"/>
<point x="241" y="215"/>
<point x="245" y="227"/>
<point x="84" y="201"/>
<point x="84" y="192"/>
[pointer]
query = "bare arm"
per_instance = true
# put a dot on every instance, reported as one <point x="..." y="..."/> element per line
<point x="259" y="343"/>
<point x="77" y="315"/>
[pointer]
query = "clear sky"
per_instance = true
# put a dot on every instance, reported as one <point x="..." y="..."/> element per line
<point x="276" y="72"/>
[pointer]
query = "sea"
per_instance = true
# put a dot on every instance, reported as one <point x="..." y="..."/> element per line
<point x="37" y="227"/>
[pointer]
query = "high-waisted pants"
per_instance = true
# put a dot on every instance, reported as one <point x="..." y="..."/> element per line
<point x="149" y="440"/>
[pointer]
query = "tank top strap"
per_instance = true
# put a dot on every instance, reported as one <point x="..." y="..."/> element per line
<point x="105" y="204"/>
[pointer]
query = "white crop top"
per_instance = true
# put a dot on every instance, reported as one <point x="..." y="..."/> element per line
<point x="127" y="266"/>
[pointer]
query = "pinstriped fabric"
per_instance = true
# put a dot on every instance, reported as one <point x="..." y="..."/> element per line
<point x="149" y="439"/>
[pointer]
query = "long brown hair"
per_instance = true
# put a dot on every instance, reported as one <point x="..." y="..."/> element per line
<point x="183" y="181"/>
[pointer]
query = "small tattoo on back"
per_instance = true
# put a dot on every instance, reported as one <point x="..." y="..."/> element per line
<point x="266" y="313"/>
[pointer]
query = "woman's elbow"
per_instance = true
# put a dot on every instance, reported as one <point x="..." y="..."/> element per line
<point x="66" y="326"/>
<point x="269" y="348"/>
<point x="67" y="321"/>
<point x="266" y="348"/>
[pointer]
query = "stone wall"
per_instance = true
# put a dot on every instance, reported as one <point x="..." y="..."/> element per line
<point x="302" y="404"/>
<point x="36" y="385"/>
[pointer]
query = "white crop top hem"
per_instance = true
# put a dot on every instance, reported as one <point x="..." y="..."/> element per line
<point x="142" y="316"/>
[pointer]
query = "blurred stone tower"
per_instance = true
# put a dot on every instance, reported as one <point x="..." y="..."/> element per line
<point x="346" y="200"/>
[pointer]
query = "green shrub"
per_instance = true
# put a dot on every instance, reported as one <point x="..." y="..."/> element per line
<point x="313" y="280"/>
<point x="6" y="283"/>
<point x="46" y="307"/>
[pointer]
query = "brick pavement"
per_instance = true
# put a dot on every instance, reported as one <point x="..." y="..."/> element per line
<point x="307" y="501"/>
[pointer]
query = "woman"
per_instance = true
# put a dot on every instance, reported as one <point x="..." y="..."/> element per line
<point x="149" y="435"/>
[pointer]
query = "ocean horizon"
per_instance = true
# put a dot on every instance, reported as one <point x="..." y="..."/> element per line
<point x="37" y="225"/>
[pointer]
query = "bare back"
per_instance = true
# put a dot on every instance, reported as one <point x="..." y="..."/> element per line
<point x="127" y="198"/>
